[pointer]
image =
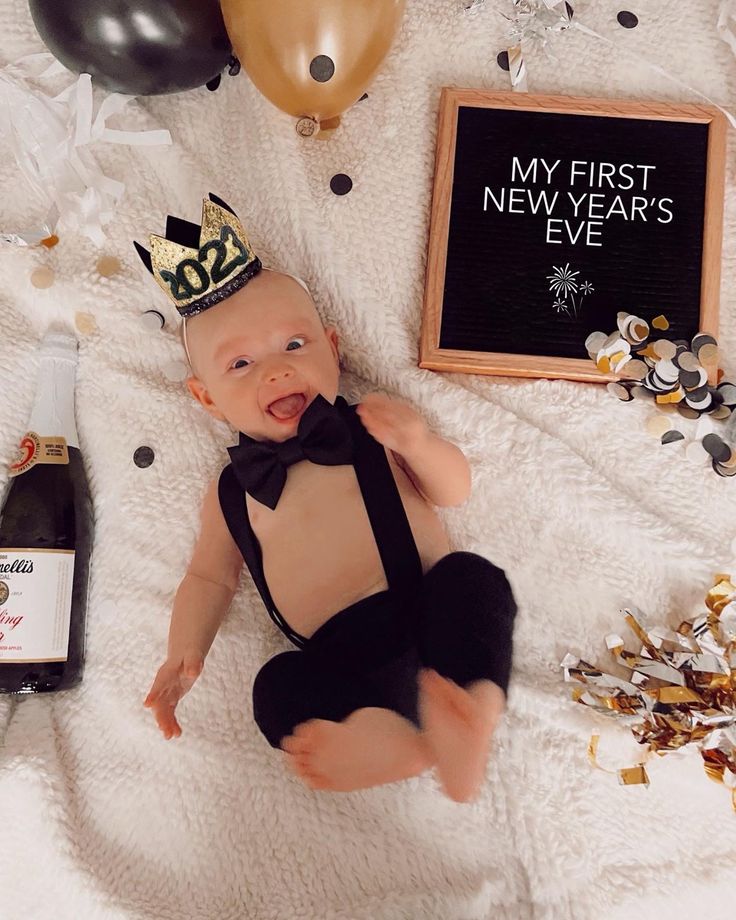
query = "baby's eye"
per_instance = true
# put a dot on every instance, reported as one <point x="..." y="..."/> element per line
<point x="297" y="338"/>
<point x="238" y="363"/>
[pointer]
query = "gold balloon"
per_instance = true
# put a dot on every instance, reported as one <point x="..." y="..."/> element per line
<point x="312" y="58"/>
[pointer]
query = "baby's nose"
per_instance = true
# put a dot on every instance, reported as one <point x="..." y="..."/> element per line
<point x="276" y="373"/>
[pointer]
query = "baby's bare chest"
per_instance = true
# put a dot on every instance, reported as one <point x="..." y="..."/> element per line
<point x="319" y="551"/>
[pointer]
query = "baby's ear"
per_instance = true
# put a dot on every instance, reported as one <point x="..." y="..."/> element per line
<point x="331" y="334"/>
<point x="200" y="392"/>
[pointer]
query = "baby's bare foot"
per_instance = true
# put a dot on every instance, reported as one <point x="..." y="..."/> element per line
<point x="459" y="724"/>
<point x="371" y="747"/>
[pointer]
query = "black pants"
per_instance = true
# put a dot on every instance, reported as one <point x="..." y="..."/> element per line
<point x="459" y="622"/>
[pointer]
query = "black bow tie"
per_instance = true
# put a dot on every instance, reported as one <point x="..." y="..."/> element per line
<point x="323" y="436"/>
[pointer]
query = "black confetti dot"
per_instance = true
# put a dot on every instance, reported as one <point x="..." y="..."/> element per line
<point x="364" y="96"/>
<point x="689" y="378"/>
<point x="717" y="448"/>
<point x="627" y="20"/>
<point x="233" y="66"/>
<point x="214" y="83"/>
<point x="322" y="68"/>
<point x="502" y="59"/>
<point x="143" y="457"/>
<point x="341" y="184"/>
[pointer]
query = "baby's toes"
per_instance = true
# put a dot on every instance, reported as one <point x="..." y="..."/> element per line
<point x="294" y="745"/>
<point x="308" y="732"/>
<point x="303" y="739"/>
<point x="299" y="764"/>
<point x="433" y="682"/>
<point x="302" y="768"/>
<point x="292" y="764"/>
<point x="315" y="780"/>
<point x="306" y="762"/>
<point x="453" y="698"/>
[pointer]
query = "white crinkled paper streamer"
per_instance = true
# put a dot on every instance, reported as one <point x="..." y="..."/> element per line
<point x="533" y="20"/>
<point x="726" y="24"/>
<point x="51" y="138"/>
<point x="536" y="20"/>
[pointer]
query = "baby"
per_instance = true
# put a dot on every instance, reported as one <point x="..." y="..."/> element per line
<point x="403" y="647"/>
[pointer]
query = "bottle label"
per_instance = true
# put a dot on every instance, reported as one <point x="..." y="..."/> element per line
<point x="35" y="604"/>
<point x="36" y="449"/>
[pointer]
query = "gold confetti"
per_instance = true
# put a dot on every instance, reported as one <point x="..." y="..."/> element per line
<point x="633" y="776"/>
<point x="43" y="277"/>
<point x="640" y="330"/>
<point x="657" y="425"/>
<point x="708" y="355"/>
<point x="627" y="776"/>
<point x="676" y="695"/>
<point x="648" y="352"/>
<point x="85" y="323"/>
<point x="107" y="266"/>
<point x="674" y="397"/>
<point x="681" y="688"/>
<point x="635" y="370"/>
<point x="664" y="349"/>
<point x="592" y="746"/>
<point x="678" y="377"/>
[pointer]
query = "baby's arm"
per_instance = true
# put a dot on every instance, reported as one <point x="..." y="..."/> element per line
<point x="206" y="591"/>
<point x="438" y="469"/>
<point x="202" y="600"/>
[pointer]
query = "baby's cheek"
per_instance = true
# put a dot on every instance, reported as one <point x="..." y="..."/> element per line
<point x="232" y="398"/>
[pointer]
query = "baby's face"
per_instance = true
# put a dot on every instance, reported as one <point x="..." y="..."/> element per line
<point x="264" y="343"/>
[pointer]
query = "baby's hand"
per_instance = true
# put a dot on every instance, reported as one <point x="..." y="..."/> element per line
<point x="392" y="423"/>
<point x="175" y="677"/>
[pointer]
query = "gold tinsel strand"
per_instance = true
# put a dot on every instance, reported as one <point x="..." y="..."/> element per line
<point x="681" y="688"/>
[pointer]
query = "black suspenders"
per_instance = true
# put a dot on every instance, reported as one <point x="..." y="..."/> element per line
<point x="395" y="541"/>
<point x="232" y="502"/>
<point x="391" y="529"/>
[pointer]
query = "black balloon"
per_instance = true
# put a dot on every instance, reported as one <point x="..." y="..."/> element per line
<point x="138" y="47"/>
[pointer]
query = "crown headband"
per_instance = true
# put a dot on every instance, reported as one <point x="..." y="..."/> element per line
<point x="200" y="265"/>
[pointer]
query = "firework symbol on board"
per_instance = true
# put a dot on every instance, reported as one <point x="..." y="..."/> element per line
<point x="569" y="292"/>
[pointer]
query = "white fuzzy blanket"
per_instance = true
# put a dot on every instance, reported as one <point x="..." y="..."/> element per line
<point x="100" y="817"/>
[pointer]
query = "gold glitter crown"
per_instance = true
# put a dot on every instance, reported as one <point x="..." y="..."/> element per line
<point x="200" y="265"/>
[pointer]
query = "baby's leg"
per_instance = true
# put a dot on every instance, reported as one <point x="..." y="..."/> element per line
<point x="333" y="727"/>
<point x="459" y="723"/>
<point x="372" y="746"/>
<point x="464" y="635"/>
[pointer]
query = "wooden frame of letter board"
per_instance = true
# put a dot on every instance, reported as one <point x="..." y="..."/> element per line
<point x="482" y="362"/>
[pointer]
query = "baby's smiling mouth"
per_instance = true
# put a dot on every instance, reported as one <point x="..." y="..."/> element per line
<point x="287" y="407"/>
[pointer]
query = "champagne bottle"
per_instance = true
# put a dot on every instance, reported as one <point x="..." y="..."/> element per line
<point x="46" y="538"/>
